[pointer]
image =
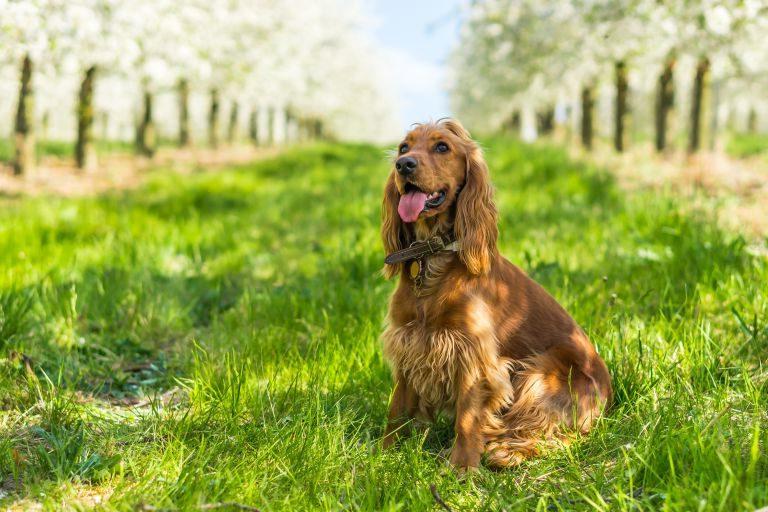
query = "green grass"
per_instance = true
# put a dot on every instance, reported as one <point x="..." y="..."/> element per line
<point x="254" y="295"/>
<point x="742" y="145"/>
<point x="64" y="149"/>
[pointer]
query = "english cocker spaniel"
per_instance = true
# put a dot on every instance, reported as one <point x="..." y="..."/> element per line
<point x="468" y="332"/>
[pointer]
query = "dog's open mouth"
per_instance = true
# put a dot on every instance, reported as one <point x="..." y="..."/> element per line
<point x="415" y="201"/>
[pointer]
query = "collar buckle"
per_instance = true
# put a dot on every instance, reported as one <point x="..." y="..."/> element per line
<point x="438" y="242"/>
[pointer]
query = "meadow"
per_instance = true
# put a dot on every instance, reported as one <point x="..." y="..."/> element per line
<point x="210" y="341"/>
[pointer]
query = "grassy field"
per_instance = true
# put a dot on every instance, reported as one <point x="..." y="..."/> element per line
<point x="742" y="145"/>
<point x="63" y="149"/>
<point x="213" y="338"/>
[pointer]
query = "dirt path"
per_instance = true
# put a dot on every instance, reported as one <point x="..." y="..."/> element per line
<point x="119" y="171"/>
<point x="737" y="188"/>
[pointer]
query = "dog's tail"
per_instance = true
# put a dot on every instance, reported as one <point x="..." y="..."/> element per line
<point x="518" y="433"/>
<point x="533" y="421"/>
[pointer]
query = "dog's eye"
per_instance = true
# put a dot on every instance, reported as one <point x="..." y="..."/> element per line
<point x="403" y="148"/>
<point x="441" y="147"/>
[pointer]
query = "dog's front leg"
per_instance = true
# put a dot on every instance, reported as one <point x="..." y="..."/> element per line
<point x="401" y="410"/>
<point x="468" y="446"/>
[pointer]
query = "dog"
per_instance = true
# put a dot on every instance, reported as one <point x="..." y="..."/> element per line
<point x="468" y="332"/>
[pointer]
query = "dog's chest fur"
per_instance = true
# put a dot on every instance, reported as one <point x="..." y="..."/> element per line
<point x="437" y="361"/>
<point x="429" y="361"/>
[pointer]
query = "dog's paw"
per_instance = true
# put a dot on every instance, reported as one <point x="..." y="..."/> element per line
<point x="463" y="472"/>
<point x="462" y="466"/>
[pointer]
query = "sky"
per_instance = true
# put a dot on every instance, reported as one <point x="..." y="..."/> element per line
<point x="416" y="37"/>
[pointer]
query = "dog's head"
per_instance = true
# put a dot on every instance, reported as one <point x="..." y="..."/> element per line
<point x="440" y="179"/>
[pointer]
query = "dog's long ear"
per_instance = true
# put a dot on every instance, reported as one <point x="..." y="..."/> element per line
<point x="476" y="217"/>
<point x="392" y="229"/>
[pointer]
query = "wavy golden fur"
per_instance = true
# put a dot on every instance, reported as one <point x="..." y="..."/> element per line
<point x="478" y="338"/>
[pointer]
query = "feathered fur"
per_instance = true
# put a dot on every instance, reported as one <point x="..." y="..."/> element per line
<point x="480" y="339"/>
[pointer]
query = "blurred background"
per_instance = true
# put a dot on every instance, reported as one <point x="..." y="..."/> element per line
<point x="95" y="76"/>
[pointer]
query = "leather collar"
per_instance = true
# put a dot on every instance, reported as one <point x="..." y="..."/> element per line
<point x="421" y="248"/>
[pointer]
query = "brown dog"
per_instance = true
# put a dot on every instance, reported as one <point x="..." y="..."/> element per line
<point x="468" y="332"/>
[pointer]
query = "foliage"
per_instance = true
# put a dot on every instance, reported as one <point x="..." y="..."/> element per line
<point x="308" y="57"/>
<point x="246" y="306"/>
<point x="524" y="54"/>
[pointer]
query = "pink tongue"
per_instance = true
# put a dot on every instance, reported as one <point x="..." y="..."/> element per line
<point x="411" y="205"/>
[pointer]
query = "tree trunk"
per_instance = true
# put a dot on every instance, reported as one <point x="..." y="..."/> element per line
<point x="183" y="113"/>
<point x="288" y="126"/>
<point x="752" y="121"/>
<point x="253" y="126"/>
<point x="262" y="126"/>
<point x="528" y="128"/>
<point x="293" y="130"/>
<point x="24" y="157"/>
<point x="714" y="114"/>
<point x="232" y="127"/>
<point x="279" y="125"/>
<point x="545" y="121"/>
<point x="145" y="136"/>
<point x="44" y="124"/>
<point x="512" y="123"/>
<point x="697" y="102"/>
<point x="665" y="100"/>
<point x="104" y="125"/>
<point x="622" y="89"/>
<point x="587" y="105"/>
<point x="303" y="129"/>
<point x="213" y="120"/>
<point x="85" y="155"/>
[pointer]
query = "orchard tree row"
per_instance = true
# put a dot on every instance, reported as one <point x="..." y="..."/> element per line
<point x="533" y="64"/>
<point x="284" y="68"/>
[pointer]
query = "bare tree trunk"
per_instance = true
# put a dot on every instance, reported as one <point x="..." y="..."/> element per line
<point x="512" y="124"/>
<point x="622" y="90"/>
<point x="587" y="105"/>
<point x="303" y="129"/>
<point x="293" y="130"/>
<point x="270" y="126"/>
<point x="145" y="134"/>
<point x="714" y="114"/>
<point x="278" y="125"/>
<point x="213" y="119"/>
<point x="24" y="157"/>
<point x="697" y="102"/>
<point x="665" y="100"/>
<point x="183" y="113"/>
<point x="262" y="126"/>
<point x="253" y="126"/>
<point x="752" y="121"/>
<point x="232" y="127"/>
<point x="528" y="129"/>
<point x="85" y="154"/>
<point x="44" y="124"/>
<point x="104" y="125"/>
<point x="545" y="121"/>
<point x="288" y="126"/>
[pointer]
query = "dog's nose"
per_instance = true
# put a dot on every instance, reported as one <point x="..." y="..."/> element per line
<point x="406" y="165"/>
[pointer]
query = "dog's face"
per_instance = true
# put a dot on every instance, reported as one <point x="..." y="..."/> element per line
<point x="440" y="182"/>
<point x="430" y="169"/>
